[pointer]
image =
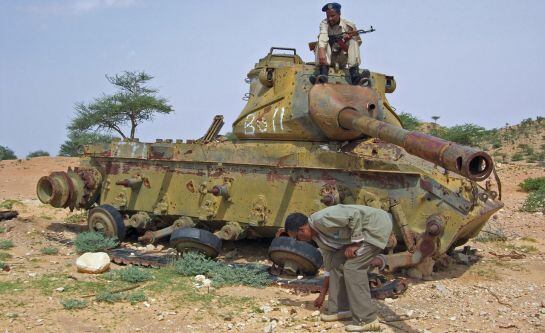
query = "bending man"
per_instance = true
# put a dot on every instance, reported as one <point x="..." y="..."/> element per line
<point x="350" y="236"/>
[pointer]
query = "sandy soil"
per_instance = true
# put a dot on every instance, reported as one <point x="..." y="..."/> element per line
<point x="492" y="295"/>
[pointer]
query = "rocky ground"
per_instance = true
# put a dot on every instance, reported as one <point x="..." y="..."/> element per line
<point x="498" y="289"/>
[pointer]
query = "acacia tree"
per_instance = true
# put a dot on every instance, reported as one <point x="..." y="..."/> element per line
<point x="132" y="104"/>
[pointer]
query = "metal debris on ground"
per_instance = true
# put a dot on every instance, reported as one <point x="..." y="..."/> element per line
<point x="381" y="287"/>
<point x="8" y="215"/>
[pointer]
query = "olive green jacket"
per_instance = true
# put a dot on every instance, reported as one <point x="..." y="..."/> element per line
<point x="341" y="225"/>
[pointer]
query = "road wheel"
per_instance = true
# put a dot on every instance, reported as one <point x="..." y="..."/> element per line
<point x="106" y="220"/>
<point x="195" y="240"/>
<point x="295" y="256"/>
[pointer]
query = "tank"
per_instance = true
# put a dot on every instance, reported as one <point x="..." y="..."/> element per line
<point x="298" y="148"/>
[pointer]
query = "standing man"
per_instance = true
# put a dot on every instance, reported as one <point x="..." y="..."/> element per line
<point x="350" y="236"/>
<point x="344" y="52"/>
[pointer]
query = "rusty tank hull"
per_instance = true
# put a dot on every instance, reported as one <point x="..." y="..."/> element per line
<point x="299" y="148"/>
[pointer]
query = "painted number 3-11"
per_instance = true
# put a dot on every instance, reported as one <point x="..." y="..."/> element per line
<point x="251" y="125"/>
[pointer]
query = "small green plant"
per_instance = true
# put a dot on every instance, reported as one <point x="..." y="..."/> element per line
<point x="522" y="248"/>
<point x="5" y="244"/>
<point x="2" y="265"/>
<point x="2" y="229"/>
<point x="93" y="242"/>
<point x="37" y="153"/>
<point x="73" y="304"/>
<point x="49" y="250"/>
<point x="221" y="274"/>
<point x="8" y="204"/>
<point x="535" y="202"/>
<point x="76" y="218"/>
<point x="5" y="255"/>
<point x="532" y="184"/>
<point x="517" y="157"/>
<point x="130" y="274"/>
<point x="109" y="297"/>
<point x="136" y="297"/>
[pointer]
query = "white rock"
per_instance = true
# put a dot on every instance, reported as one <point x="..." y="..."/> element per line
<point x="93" y="262"/>
<point x="410" y="313"/>
<point x="269" y="328"/>
<point x="146" y="304"/>
<point x="200" y="278"/>
<point x="265" y="308"/>
<point x="315" y="313"/>
<point x="207" y="283"/>
<point x="299" y="277"/>
<point x="60" y="289"/>
<point x="150" y="248"/>
<point x="388" y="300"/>
<point x="32" y="274"/>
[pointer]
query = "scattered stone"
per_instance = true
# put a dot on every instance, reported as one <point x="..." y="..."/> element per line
<point x="389" y="300"/>
<point x="93" y="262"/>
<point x="160" y="247"/>
<point x="315" y="313"/>
<point x="409" y="313"/>
<point x="299" y="277"/>
<point x="200" y="278"/>
<point x="32" y="274"/>
<point x="440" y="288"/>
<point x="60" y="289"/>
<point x="265" y="308"/>
<point x="146" y="304"/>
<point x="150" y="248"/>
<point x="269" y="328"/>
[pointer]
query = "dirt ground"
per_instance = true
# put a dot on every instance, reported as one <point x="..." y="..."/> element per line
<point x="495" y="294"/>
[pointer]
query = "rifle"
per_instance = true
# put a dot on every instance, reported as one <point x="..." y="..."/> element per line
<point x="342" y="42"/>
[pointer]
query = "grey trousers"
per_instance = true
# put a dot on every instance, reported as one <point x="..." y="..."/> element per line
<point x="349" y="286"/>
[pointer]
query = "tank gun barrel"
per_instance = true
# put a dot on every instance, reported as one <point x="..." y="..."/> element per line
<point x="469" y="162"/>
<point x="344" y="112"/>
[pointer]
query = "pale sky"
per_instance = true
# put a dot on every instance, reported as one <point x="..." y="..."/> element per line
<point x="465" y="61"/>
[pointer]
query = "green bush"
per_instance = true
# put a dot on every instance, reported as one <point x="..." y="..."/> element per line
<point x="533" y="184"/>
<point x="2" y="265"/>
<point x="5" y="244"/>
<point x="110" y="297"/>
<point x="49" y="250"/>
<point x="93" y="242"/>
<point x="535" y="202"/>
<point x="76" y="218"/>
<point x="73" y="304"/>
<point x="130" y="274"/>
<point x="37" y="153"/>
<point x="467" y="134"/>
<point x="517" y="157"/>
<point x="409" y="122"/>
<point x="7" y="154"/>
<point x="8" y="204"/>
<point x="222" y="274"/>
<point x="137" y="296"/>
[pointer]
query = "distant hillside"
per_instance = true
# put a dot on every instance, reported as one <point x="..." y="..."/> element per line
<point x="524" y="142"/>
